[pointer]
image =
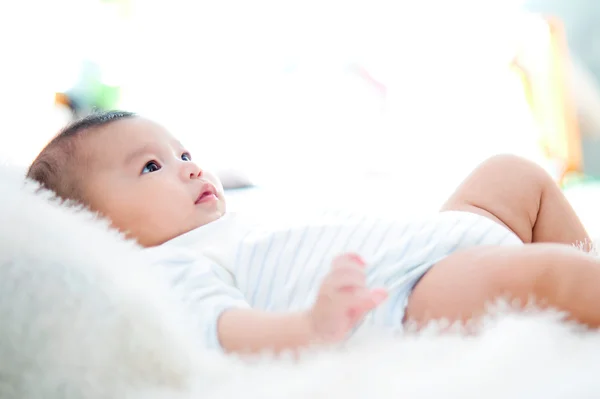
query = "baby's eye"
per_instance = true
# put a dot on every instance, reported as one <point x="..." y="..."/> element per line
<point x="186" y="156"/>
<point x="150" y="167"/>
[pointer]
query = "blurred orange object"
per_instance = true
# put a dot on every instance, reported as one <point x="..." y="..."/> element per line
<point x="543" y="66"/>
<point x="61" y="99"/>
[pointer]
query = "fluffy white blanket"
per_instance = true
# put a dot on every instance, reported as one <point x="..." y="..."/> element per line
<point x="80" y="317"/>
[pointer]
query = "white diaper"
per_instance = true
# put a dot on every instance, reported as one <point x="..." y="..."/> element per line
<point x="398" y="268"/>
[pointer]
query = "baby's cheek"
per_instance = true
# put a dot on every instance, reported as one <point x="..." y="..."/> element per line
<point x="223" y="205"/>
<point x="214" y="180"/>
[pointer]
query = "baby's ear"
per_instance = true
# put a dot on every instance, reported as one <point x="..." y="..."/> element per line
<point x="233" y="178"/>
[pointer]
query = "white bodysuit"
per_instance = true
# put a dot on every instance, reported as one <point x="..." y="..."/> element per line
<point x="226" y="264"/>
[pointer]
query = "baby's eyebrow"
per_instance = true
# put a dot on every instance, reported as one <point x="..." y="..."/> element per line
<point x="138" y="152"/>
<point x="177" y="144"/>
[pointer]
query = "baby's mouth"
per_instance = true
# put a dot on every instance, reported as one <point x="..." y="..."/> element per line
<point x="207" y="194"/>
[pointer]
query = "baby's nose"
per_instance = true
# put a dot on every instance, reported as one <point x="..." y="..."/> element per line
<point x="192" y="171"/>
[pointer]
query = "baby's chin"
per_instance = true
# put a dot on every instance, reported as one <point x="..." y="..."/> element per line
<point x="213" y="217"/>
<point x="156" y="240"/>
<point x="154" y="236"/>
<point x="206" y="219"/>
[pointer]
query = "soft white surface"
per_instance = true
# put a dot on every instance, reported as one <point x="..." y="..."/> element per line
<point x="82" y="318"/>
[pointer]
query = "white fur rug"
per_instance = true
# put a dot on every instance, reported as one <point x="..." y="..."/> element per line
<point x="81" y="317"/>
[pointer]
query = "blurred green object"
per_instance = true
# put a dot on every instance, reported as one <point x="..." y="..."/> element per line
<point x="579" y="180"/>
<point x="108" y="97"/>
<point x="89" y="93"/>
<point x="92" y="90"/>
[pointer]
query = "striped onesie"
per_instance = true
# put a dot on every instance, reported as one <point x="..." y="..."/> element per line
<point x="225" y="265"/>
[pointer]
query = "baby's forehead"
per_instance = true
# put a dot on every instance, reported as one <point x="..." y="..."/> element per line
<point x="127" y="138"/>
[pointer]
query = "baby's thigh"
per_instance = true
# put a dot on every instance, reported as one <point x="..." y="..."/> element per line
<point x="459" y="287"/>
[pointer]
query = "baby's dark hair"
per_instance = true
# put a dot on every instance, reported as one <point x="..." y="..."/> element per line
<point x="58" y="166"/>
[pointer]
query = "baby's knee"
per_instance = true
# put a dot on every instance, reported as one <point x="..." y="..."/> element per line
<point x="519" y="166"/>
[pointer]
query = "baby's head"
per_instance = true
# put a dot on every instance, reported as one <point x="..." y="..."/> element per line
<point x="132" y="171"/>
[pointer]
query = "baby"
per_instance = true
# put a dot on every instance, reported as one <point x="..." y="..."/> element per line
<point x="506" y="231"/>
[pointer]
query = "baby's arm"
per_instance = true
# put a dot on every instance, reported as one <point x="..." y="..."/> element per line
<point x="251" y="331"/>
<point x="227" y="322"/>
<point x="342" y="301"/>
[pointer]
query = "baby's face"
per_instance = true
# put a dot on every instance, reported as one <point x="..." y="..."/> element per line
<point x="146" y="183"/>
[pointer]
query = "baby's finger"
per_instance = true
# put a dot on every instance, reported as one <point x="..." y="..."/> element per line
<point x="345" y="279"/>
<point x="350" y="302"/>
<point x="367" y="301"/>
<point x="347" y="260"/>
<point x="378" y="295"/>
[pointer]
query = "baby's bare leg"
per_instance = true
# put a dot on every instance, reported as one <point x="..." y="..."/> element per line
<point x="558" y="276"/>
<point x="522" y="196"/>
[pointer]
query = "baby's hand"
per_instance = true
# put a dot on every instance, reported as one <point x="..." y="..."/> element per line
<point x="343" y="299"/>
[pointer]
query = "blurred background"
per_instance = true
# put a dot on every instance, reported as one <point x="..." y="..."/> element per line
<point x="378" y="104"/>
